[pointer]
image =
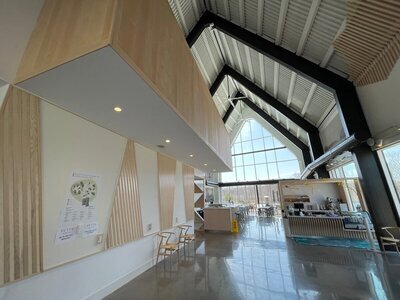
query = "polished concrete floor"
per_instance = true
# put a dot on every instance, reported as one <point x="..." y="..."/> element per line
<point x="261" y="263"/>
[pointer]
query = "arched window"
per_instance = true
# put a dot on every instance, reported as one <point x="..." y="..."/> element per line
<point x="258" y="155"/>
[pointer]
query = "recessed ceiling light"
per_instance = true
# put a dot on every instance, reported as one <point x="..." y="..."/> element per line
<point x="205" y="165"/>
<point x="117" y="109"/>
<point x="168" y="141"/>
<point x="214" y="170"/>
<point x="191" y="155"/>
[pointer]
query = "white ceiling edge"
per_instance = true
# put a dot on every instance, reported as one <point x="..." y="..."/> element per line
<point x="92" y="85"/>
<point x="248" y="113"/>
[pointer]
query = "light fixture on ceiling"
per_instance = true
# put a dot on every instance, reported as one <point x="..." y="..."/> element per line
<point x="214" y="170"/>
<point x="191" y="155"/>
<point x="117" y="109"/>
<point x="205" y="165"/>
<point x="168" y="141"/>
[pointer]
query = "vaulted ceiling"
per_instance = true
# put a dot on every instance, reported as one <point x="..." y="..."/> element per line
<point x="305" y="27"/>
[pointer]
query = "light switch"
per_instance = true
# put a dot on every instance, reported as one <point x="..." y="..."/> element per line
<point x="99" y="238"/>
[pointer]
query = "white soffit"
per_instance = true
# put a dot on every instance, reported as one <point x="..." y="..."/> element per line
<point x="92" y="85"/>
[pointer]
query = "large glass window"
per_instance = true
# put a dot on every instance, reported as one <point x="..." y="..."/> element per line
<point x="390" y="157"/>
<point x="258" y="155"/>
<point x="349" y="173"/>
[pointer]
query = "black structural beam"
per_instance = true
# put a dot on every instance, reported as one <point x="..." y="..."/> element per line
<point x="312" y="131"/>
<point x="230" y="109"/>
<point x="343" y="90"/>
<point x="304" y="67"/>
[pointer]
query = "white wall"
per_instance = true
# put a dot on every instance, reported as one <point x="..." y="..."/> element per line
<point x="380" y="102"/>
<point x="146" y="165"/>
<point x="179" y="198"/>
<point x="17" y="20"/>
<point x="69" y="143"/>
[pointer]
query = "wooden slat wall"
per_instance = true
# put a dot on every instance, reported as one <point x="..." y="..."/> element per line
<point x="125" y="223"/>
<point x="166" y="181"/>
<point x="188" y="181"/>
<point x="165" y="61"/>
<point x="20" y="187"/>
<point x="371" y="39"/>
<point x="65" y="30"/>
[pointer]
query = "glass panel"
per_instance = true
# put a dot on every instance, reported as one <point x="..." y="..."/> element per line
<point x="273" y="171"/>
<point x="266" y="133"/>
<point x="277" y="143"/>
<point x="262" y="172"/>
<point x="271" y="156"/>
<point x="251" y="194"/>
<point x="350" y="170"/>
<point x="258" y="144"/>
<point x="245" y="132"/>
<point x="247" y="147"/>
<point x="239" y="174"/>
<point x="239" y="160"/>
<point x="248" y="159"/>
<point x="228" y="177"/>
<point x="289" y="169"/>
<point x="392" y="158"/>
<point x="268" y="143"/>
<point x="284" y="154"/>
<point x="238" y="148"/>
<point x="259" y="158"/>
<point x="256" y="129"/>
<point x="250" y="173"/>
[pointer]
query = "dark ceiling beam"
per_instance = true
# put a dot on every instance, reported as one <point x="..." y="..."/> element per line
<point x="270" y="100"/>
<point x="343" y="90"/>
<point x="312" y="131"/>
<point x="296" y="63"/>
<point x="230" y="109"/>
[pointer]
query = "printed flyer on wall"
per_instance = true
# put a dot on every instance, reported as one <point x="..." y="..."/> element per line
<point x="78" y="216"/>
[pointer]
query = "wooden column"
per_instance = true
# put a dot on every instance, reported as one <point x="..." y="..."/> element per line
<point x="20" y="187"/>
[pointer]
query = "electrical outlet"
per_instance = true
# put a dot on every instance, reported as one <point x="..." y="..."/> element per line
<point x="99" y="238"/>
<point x="149" y="227"/>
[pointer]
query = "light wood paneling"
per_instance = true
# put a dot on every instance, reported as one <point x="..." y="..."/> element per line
<point x="166" y="181"/>
<point x="165" y="62"/>
<point x="66" y="30"/>
<point x="371" y="39"/>
<point x="188" y="182"/>
<point x="20" y="187"/>
<point x="146" y="35"/>
<point x="125" y="223"/>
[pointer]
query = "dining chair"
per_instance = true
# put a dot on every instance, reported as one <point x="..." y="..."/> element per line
<point x="166" y="247"/>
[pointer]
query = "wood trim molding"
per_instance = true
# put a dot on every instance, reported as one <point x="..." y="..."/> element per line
<point x="20" y="187"/>
<point x="125" y="223"/>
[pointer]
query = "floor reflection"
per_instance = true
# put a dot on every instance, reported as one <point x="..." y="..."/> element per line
<point x="261" y="263"/>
